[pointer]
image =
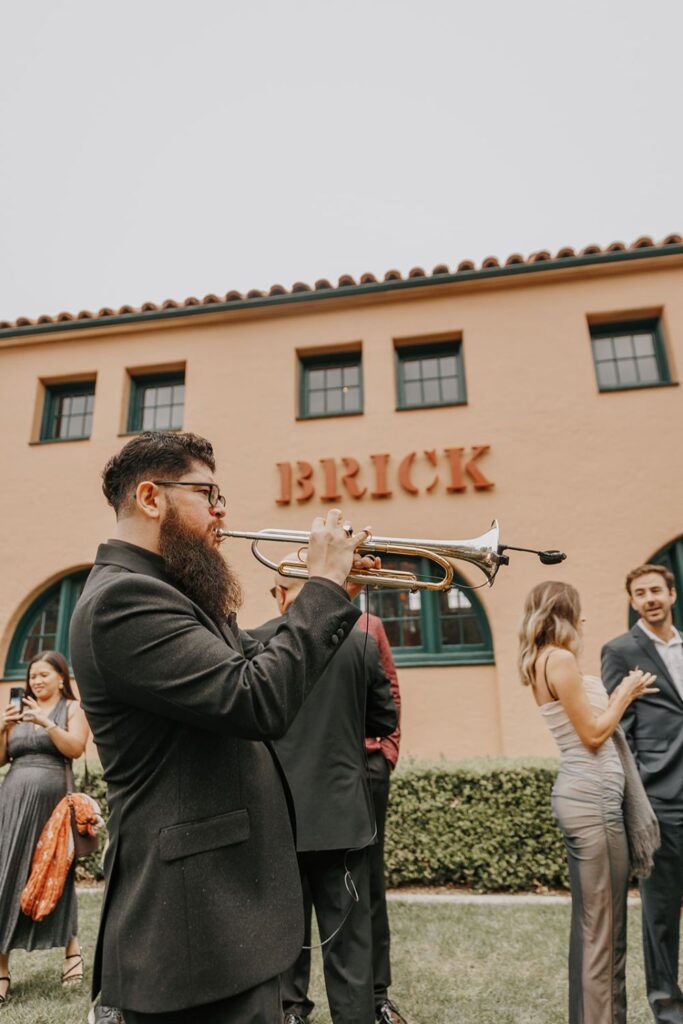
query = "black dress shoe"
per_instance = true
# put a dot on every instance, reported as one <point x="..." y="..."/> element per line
<point x="294" y="1018"/>
<point x="386" y="1013"/>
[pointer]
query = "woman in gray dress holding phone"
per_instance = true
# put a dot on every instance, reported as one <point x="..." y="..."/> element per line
<point x="37" y="739"/>
<point x="587" y="798"/>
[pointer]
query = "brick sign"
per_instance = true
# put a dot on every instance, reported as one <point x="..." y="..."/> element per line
<point x="336" y="478"/>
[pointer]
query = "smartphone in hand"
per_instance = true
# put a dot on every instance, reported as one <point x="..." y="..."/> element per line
<point x="16" y="696"/>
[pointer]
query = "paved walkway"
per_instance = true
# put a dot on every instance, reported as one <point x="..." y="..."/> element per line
<point x="489" y="899"/>
<point x="480" y="899"/>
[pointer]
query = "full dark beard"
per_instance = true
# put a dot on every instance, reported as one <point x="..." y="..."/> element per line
<point x="198" y="569"/>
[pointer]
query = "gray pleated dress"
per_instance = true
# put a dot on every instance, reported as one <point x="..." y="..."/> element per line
<point x="587" y="803"/>
<point x="33" y="786"/>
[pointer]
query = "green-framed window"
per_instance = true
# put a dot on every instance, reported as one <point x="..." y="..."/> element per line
<point x="670" y="556"/>
<point x="157" y="402"/>
<point x="330" y="385"/>
<point x="68" y="411"/>
<point x="431" y="627"/>
<point x="629" y="354"/>
<point x="429" y="375"/>
<point x="44" y="626"/>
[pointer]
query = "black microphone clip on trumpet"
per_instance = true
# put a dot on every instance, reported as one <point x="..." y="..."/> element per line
<point x="550" y="557"/>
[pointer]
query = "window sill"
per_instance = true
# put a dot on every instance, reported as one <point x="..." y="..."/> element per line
<point x="638" y="387"/>
<point x="134" y="433"/>
<point x="425" y="659"/>
<point x="328" y="415"/>
<point x="59" y="440"/>
<point x="433" y="405"/>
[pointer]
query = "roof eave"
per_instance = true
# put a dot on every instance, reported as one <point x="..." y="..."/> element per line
<point x="322" y="294"/>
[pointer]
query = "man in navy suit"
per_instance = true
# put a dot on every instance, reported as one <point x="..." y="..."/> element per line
<point x="654" y="728"/>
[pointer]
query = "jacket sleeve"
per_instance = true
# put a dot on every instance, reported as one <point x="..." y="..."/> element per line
<point x="154" y="653"/>
<point x="389" y="745"/>
<point x="614" y="667"/>
<point x="381" y="715"/>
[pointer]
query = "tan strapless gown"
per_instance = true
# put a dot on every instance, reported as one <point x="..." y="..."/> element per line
<point x="587" y="804"/>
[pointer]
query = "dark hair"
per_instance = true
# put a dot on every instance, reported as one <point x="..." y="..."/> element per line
<point x="59" y="664"/>
<point x="152" y="453"/>
<point x="643" y="570"/>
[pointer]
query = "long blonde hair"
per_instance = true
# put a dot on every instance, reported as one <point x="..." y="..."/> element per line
<point x="552" y="612"/>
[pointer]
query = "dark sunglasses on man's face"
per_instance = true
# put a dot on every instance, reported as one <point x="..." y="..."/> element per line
<point x="212" y="491"/>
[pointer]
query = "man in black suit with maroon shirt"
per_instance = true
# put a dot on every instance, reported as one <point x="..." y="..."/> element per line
<point x="323" y="759"/>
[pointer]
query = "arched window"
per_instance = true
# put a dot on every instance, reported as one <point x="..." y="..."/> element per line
<point x="45" y="624"/>
<point x="431" y="627"/>
<point x="672" y="557"/>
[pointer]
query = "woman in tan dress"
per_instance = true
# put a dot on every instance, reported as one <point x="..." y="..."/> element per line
<point x="587" y="796"/>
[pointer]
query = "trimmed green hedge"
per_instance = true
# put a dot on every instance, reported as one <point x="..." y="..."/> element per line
<point x="484" y="823"/>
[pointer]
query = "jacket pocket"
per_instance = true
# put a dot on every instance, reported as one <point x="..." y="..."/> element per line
<point x="190" y="837"/>
<point x="653" y="746"/>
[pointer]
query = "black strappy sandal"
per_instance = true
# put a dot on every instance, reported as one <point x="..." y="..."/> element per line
<point x="69" y="979"/>
<point x="5" y="998"/>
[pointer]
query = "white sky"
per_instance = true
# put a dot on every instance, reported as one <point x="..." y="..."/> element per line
<point x="154" y="149"/>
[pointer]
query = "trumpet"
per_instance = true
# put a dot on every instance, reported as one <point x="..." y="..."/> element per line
<point x="484" y="552"/>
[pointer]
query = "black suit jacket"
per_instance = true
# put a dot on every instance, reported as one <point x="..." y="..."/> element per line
<point x="202" y="896"/>
<point x="323" y="753"/>
<point x="654" y="723"/>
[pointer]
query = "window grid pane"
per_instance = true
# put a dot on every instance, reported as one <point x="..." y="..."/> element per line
<point x="626" y="360"/>
<point x="70" y="413"/>
<point x="331" y="390"/>
<point x="431" y="379"/>
<point x="160" y="404"/>
<point x="42" y="633"/>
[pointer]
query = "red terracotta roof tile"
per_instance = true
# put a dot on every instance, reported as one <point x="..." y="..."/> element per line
<point x="345" y="281"/>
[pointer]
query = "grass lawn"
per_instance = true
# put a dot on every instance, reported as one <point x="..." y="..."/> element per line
<point x="452" y="964"/>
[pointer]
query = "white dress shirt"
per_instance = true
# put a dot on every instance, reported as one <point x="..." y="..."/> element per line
<point x="671" y="653"/>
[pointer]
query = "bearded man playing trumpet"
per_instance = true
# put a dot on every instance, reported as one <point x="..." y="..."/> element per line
<point x="202" y="908"/>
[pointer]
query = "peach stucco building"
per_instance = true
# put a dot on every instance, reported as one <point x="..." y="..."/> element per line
<point x="542" y="392"/>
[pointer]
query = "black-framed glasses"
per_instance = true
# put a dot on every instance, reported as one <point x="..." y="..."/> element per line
<point x="212" y="491"/>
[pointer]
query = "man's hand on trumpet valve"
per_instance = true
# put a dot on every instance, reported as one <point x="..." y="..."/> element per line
<point x="361" y="563"/>
<point x="332" y="548"/>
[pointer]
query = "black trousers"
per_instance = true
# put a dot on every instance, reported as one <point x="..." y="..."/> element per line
<point x="661" y="896"/>
<point x="345" y="922"/>
<point x="259" y="1005"/>
<point x="379" y="775"/>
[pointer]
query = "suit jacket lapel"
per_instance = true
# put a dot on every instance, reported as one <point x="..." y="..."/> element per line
<point x="663" y="675"/>
<point x="136" y="559"/>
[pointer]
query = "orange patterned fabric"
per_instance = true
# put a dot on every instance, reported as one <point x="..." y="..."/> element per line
<point x="54" y="854"/>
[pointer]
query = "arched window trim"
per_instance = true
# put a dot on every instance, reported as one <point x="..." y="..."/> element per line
<point x="431" y="652"/>
<point x="68" y="589"/>
<point x="670" y="555"/>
